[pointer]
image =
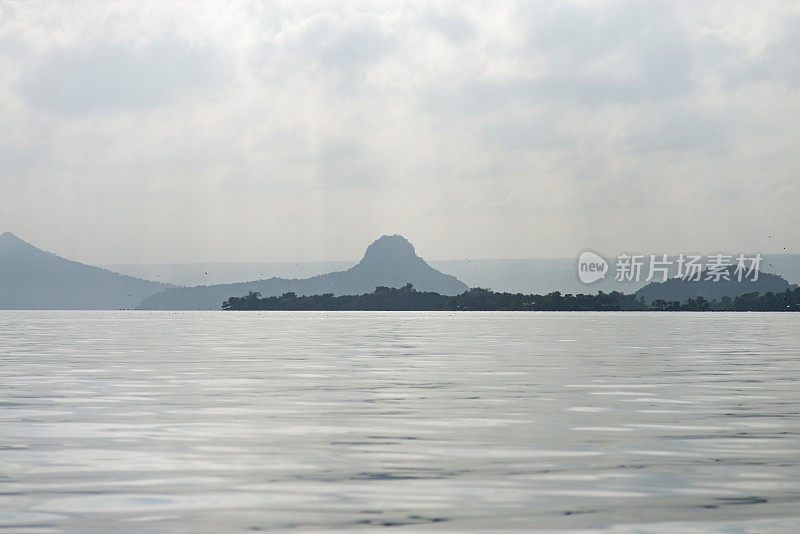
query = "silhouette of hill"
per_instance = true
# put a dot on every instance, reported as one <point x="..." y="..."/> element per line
<point x="390" y="261"/>
<point x="215" y="272"/>
<point x="477" y="299"/>
<point x="677" y="289"/>
<point x="31" y="278"/>
<point x="531" y="275"/>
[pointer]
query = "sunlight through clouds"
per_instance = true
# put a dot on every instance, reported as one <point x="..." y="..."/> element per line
<point x="190" y="131"/>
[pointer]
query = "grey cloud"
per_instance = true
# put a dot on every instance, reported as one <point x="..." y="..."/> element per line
<point x="455" y="28"/>
<point x="632" y="52"/>
<point x="354" y="48"/>
<point x="473" y="117"/>
<point x="591" y="59"/>
<point x="579" y="35"/>
<point x="345" y="47"/>
<point x="101" y="78"/>
<point x="20" y="157"/>
<point x="336" y="151"/>
<point x="651" y="84"/>
<point x="779" y="64"/>
<point x="516" y="134"/>
<point x="680" y="130"/>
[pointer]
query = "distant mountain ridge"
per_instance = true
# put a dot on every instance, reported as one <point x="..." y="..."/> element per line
<point x="390" y="261"/>
<point x="531" y="275"/>
<point x="31" y="278"/>
<point x="217" y="272"/>
<point x="680" y="290"/>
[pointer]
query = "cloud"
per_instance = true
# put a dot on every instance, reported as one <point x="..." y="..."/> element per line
<point x="279" y="126"/>
<point x="777" y="63"/>
<point x="680" y="128"/>
<point x="342" y="48"/>
<point x="98" y="77"/>
<point x="453" y="26"/>
<point x="536" y="133"/>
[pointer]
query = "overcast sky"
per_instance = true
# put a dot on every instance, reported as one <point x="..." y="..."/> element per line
<point x="149" y="132"/>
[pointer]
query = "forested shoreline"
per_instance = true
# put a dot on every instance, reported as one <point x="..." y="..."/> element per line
<point x="477" y="299"/>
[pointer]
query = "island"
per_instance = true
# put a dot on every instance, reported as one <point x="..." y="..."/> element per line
<point x="407" y="298"/>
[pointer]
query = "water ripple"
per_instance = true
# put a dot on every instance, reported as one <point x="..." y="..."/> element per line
<point x="174" y="422"/>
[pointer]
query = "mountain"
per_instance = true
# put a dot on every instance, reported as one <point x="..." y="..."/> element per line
<point x="677" y="289"/>
<point x="32" y="279"/>
<point x="390" y="261"/>
<point x="535" y="275"/>
<point x="532" y="275"/>
<point x="543" y="275"/>
<point x="214" y="272"/>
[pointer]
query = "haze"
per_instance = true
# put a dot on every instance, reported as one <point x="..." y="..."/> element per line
<point x="147" y="132"/>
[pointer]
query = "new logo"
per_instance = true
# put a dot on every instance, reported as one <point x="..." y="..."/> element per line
<point x="591" y="267"/>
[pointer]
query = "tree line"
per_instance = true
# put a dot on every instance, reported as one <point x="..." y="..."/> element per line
<point x="407" y="298"/>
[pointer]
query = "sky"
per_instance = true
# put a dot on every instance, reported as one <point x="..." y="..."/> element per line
<point x="156" y="132"/>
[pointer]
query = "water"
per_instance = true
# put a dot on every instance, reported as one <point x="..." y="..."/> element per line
<point x="225" y="422"/>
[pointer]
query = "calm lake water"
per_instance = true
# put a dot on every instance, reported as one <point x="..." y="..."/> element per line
<point x="479" y="422"/>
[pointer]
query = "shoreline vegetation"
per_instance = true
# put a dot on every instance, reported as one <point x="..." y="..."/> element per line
<point x="407" y="298"/>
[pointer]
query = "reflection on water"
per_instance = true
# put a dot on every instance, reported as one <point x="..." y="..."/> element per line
<point x="207" y="421"/>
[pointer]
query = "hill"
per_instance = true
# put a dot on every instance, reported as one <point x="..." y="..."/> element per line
<point x="32" y="279"/>
<point x="476" y="299"/>
<point x="677" y="289"/>
<point x="531" y="275"/>
<point x="215" y="272"/>
<point x="390" y="261"/>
